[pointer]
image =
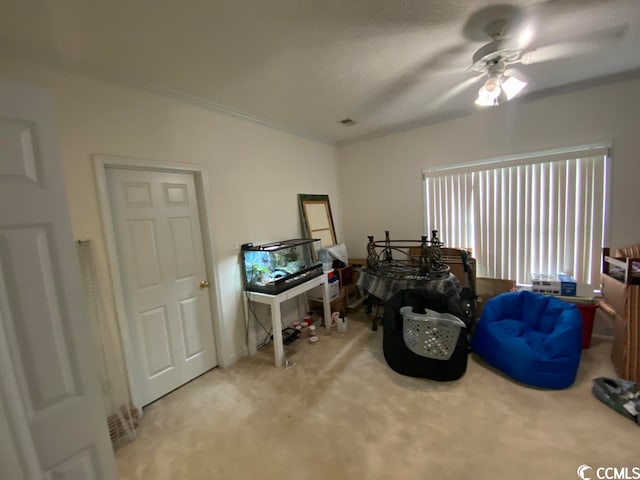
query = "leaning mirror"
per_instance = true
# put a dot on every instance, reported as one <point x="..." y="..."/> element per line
<point x="316" y="218"/>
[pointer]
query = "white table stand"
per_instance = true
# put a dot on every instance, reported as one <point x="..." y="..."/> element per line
<point x="276" y="322"/>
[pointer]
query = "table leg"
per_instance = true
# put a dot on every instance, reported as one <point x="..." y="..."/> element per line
<point x="374" y="319"/>
<point x="251" y="333"/>
<point x="326" y="303"/>
<point x="276" y="325"/>
<point x="371" y="308"/>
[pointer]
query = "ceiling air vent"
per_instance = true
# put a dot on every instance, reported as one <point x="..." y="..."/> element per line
<point x="347" y="122"/>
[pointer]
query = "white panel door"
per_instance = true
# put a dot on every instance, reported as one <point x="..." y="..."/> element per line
<point x="159" y="240"/>
<point x="48" y="380"/>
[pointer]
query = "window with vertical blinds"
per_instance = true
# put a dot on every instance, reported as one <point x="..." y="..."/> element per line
<point x="542" y="213"/>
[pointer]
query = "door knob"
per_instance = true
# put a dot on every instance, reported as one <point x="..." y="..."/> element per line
<point x="204" y="284"/>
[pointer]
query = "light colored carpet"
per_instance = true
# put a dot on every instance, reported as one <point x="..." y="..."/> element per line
<point x="342" y="413"/>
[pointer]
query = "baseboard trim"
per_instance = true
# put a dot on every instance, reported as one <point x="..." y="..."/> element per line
<point x="233" y="358"/>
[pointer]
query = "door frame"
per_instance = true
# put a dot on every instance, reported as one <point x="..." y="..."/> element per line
<point x="101" y="163"/>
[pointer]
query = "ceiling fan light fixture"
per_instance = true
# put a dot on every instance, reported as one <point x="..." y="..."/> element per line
<point x="489" y="92"/>
<point x="499" y="88"/>
<point x="493" y="85"/>
<point x="512" y="86"/>
<point x="486" y="98"/>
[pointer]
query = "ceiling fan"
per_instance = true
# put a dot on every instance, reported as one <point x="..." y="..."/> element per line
<point x="511" y="44"/>
<point x="495" y="58"/>
<point x="512" y="38"/>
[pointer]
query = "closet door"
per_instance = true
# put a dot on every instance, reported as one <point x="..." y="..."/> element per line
<point x="159" y="241"/>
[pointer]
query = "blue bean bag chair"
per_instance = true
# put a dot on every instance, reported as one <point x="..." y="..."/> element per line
<point x="533" y="338"/>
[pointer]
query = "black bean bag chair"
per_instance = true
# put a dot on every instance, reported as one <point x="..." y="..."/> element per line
<point x="403" y="359"/>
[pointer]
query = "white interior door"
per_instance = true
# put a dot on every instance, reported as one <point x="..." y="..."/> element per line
<point x="157" y="230"/>
<point x="49" y="392"/>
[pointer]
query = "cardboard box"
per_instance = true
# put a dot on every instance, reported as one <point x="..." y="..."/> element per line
<point x="316" y="292"/>
<point x="487" y="288"/>
<point x="619" y="348"/>
<point x="614" y="293"/>
<point x="554" y="284"/>
<point x="622" y="303"/>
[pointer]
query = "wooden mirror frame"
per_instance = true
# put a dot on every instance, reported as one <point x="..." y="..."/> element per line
<point x="312" y="209"/>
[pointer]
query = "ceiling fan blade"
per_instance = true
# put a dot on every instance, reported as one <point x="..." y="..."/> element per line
<point x="455" y="70"/>
<point x="517" y="73"/>
<point x="452" y="92"/>
<point x="437" y="65"/>
<point x="513" y="82"/>
<point x="581" y="45"/>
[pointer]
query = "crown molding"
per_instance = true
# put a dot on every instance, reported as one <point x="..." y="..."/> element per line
<point x="103" y="75"/>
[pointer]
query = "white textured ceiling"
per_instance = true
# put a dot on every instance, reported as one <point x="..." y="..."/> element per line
<point x="305" y="64"/>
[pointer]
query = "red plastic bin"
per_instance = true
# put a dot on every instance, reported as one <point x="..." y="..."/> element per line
<point x="588" y="313"/>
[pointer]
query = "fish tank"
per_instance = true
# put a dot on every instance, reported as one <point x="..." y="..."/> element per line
<point x="275" y="267"/>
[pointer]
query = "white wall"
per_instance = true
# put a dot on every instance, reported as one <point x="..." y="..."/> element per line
<point x="381" y="179"/>
<point x="255" y="172"/>
<point x="10" y="466"/>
